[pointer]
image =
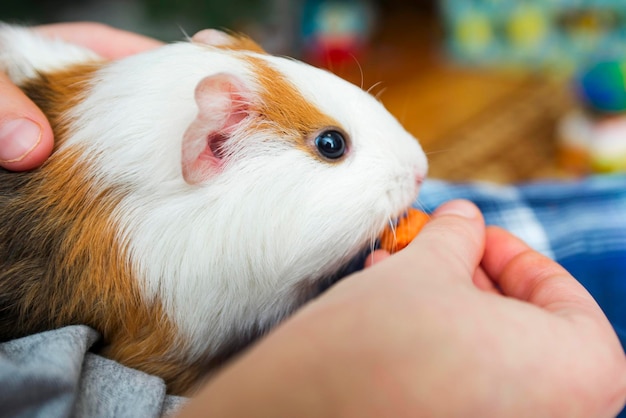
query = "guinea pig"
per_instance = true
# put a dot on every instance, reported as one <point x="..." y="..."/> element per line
<point x="197" y="194"/>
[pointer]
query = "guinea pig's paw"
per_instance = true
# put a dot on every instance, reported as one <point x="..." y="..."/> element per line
<point x="223" y="103"/>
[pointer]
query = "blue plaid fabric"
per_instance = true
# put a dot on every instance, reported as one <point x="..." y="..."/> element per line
<point x="580" y="224"/>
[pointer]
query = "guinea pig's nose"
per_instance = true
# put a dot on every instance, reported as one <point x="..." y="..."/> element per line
<point x="419" y="179"/>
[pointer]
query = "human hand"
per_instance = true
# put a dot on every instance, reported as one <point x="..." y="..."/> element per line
<point x="414" y="336"/>
<point x="26" y="138"/>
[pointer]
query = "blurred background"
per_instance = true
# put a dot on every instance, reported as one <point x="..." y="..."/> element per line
<point x="498" y="90"/>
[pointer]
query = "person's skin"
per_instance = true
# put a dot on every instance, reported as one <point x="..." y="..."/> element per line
<point x="26" y="139"/>
<point x="466" y="321"/>
<point x="414" y="336"/>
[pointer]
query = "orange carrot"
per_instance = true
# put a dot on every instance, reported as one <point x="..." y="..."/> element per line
<point x="393" y="239"/>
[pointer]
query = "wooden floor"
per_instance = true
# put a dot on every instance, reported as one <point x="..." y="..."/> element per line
<point x="473" y="124"/>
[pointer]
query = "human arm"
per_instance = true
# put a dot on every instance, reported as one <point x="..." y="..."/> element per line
<point x="413" y="336"/>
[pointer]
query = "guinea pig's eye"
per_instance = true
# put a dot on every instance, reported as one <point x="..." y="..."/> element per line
<point x="331" y="144"/>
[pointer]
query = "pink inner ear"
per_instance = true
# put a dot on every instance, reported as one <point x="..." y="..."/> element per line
<point x="223" y="103"/>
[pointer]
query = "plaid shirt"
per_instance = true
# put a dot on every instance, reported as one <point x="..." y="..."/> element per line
<point x="580" y="224"/>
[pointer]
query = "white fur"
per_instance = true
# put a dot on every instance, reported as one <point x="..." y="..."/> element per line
<point x="229" y="254"/>
<point x="22" y="54"/>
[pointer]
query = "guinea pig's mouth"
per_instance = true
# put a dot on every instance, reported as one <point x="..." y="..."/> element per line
<point x="356" y="263"/>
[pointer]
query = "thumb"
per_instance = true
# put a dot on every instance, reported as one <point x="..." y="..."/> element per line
<point x="25" y="135"/>
<point x="451" y="245"/>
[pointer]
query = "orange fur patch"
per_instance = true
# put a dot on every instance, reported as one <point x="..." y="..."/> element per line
<point x="61" y="259"/>
<point x="242" y="42"/>
<point x="284" y="110"/>
<point x="226" y="40"/>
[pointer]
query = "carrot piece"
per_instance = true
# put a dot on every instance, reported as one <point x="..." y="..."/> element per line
<point x="395" y="238"/>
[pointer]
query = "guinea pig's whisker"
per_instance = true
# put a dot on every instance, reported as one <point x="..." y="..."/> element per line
<point x="373" y="86"/>
<point x="358" y="64"/>
<point x="378" y="95"/>
<point x="185" y="34"/>
<point x="372" y="247"/>
<point x="439" y="151"/>
<point x="392" y="226"/>
<point x="421" y="207"/>
<point x="405" y="109"/>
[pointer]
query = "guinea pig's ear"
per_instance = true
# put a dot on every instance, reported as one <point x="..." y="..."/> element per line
<point x="223" y="103"/>
<point x="219" y="39"/>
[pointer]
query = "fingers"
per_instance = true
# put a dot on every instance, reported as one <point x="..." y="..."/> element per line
<point x="451" y="245"/>
<point x="480" y="278"/>
<point x="524" y="274"/>
<point x="483" y="282"/>
<point x="375" y="257"/>
<point x="107" y="41"/>
<point x="26" y="138"/>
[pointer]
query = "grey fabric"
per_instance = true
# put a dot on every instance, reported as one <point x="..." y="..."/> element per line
<point x="53" y="374"/>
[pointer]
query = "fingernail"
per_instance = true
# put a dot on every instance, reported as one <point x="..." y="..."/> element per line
<point x="462" y="208"/>
<point x="18" y="138"/>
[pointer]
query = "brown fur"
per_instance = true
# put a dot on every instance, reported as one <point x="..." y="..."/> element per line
<point x="285" y="111"/>
<point x="61" y="258"/>
<point x="62" y="261"/>
<point x="242" y="42"/>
